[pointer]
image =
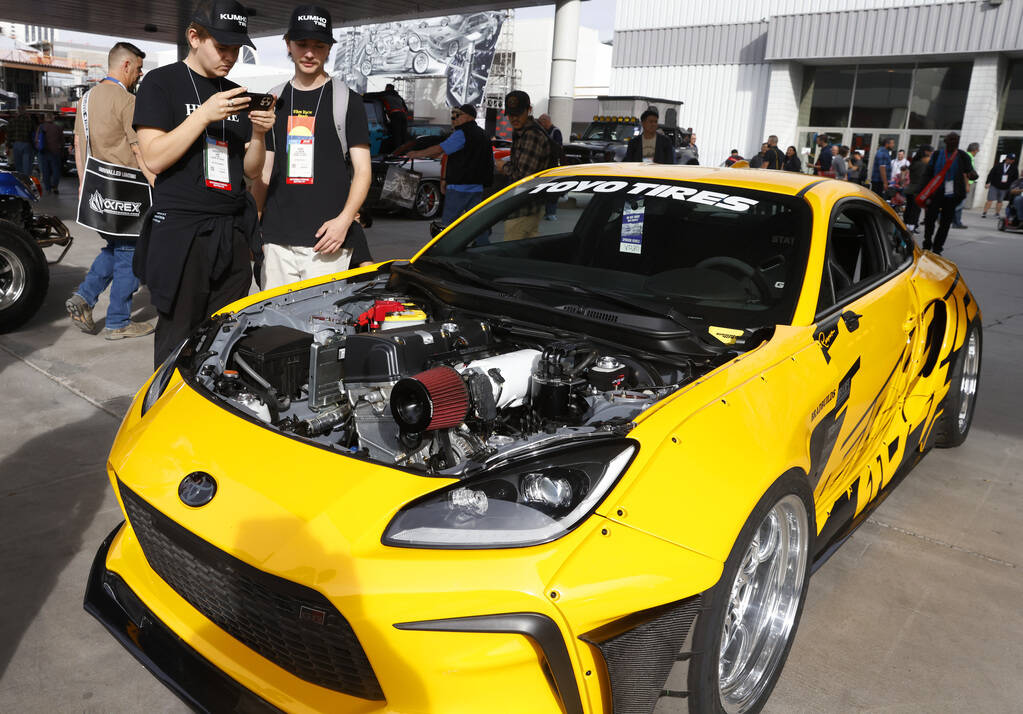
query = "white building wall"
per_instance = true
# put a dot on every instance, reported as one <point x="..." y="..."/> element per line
<point x="643" y="14"/>
<point x="724" y="104"/>
<point x="534" y="43"/>
<point x="782" y="114"/>
<point x="981" y="117"/>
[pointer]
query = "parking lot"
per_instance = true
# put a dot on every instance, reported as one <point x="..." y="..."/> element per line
<point x="918" y="612"/>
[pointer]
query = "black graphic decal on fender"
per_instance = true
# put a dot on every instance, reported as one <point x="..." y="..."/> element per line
<point x="825" y="434"/>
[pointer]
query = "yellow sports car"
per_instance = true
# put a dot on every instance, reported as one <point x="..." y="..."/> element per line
<point x="574" y="465"/>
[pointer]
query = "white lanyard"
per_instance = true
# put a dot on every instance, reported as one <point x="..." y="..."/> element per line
<point x="220" y="84"/>
<point x="318" y="98"/>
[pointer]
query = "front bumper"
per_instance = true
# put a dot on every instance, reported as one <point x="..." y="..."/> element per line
<point x="184" y="671"/>
<point x="443" y="631"/>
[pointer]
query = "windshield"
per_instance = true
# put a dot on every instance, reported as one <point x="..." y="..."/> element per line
<point x="606" y="131"/>
<point x="726" y="256"/>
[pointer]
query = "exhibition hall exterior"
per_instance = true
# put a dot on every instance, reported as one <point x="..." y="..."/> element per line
<point x="859" y="70"/>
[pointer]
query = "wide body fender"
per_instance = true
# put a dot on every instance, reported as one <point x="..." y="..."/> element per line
<point x="713" y="449"/>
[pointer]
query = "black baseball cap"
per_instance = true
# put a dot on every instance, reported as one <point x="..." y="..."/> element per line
<point x="311" y="22"/>
<point x="516" y="103"/>
<point x="226" y="20"/>
<point x="467" y="109"/>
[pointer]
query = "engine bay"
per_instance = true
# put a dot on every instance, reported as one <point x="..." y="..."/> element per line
<point x="410" y="381"/>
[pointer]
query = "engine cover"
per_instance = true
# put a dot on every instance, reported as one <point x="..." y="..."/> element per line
<point x="386" y="357"/>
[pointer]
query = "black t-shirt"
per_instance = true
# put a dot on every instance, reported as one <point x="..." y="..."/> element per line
<point x="295" y="211"/>
<point x="165" y="99"/>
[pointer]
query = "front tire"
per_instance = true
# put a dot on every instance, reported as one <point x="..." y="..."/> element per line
<point x="956" y="410"/>
<point x="742" y="639"/>
<point x="24" y="276"/>
<point x="428" y="200"/>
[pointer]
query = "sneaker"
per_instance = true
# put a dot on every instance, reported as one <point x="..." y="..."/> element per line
<point x="959" y="225"/>
<point x="550" y="217"/>
<point x="132" y="329"/>
<point x="80" y="313"/>
<point x="983" y="215"/>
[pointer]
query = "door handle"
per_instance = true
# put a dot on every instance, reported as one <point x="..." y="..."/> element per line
<point x="851" y="319"/>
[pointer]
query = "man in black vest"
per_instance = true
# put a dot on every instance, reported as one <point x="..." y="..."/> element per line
<point x="470" y="163"/>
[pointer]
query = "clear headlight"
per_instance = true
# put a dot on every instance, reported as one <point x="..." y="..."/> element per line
<point x="525" y="503"/>
<point x="162" y="378"/>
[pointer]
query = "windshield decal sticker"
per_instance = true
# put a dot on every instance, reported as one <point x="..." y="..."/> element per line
<point x="632" y="228"/>
<point x="650" y="190"/>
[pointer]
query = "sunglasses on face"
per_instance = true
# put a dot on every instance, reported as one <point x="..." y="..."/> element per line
<point x="455" y="115"/>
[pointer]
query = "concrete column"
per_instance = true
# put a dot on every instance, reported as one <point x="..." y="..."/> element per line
<point x="782" y="114"/>
<point x="980" y="119"/>
<point x="566" y="45"/>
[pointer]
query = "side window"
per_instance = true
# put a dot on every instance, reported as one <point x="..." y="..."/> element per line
<point x="896" y="241"/>
<point x="854" y="257"/>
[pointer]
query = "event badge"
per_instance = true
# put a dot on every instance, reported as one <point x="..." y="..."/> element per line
<point x="300" y="149"/>
<point x="218" y="172"/>
<point x="950" y="188"/>
<point x="632" y="229"/>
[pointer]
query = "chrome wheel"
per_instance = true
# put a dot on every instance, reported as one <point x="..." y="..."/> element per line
<point x="968" y="384"/>
<point x="12" y="278"/>
<point x="428" y="200"/>
<point x="763" y="605"/>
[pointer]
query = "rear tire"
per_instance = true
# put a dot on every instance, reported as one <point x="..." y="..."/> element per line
<point x="956" y="409"/>
<point x="742" y="639"/>
<point x="24" y="276"/>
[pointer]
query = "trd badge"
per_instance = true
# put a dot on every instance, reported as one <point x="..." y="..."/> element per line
<point x="197" y="489"/>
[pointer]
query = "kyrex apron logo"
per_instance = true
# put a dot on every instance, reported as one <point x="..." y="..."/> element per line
<point x="113" y="206"/>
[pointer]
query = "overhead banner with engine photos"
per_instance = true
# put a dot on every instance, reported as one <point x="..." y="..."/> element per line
<point x="458" y="47"/>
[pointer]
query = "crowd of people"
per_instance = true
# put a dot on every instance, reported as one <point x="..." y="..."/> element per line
<point x="274" y="191"/>
<point x="241" y="189"/>
<point x="32" y="139"/>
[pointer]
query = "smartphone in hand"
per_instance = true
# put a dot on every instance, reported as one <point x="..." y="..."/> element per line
<point x="260" y="102"/>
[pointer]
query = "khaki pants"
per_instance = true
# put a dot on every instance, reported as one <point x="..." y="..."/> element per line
<point x="523" y="226"/>
<point x="283" y="264"/>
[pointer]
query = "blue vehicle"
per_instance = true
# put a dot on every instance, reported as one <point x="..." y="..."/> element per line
<point x="24" y="270"/>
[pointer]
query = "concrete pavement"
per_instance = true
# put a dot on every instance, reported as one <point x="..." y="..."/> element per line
<point x="918" y="612"/>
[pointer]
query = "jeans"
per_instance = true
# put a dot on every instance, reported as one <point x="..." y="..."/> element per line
<point x="23" y="154"/>
<point x="49" y="167"/>
<point x="458" y="202"/>
<point x="112" y="267"/>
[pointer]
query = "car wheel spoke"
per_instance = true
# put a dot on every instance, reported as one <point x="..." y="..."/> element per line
<point x="763" y="602"/>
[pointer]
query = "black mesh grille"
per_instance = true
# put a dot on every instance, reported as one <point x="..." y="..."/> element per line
<point x="640" y="651"/>
<point x="291" y="625"/>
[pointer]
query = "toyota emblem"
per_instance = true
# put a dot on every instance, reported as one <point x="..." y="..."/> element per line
<point x="197" y="489"/>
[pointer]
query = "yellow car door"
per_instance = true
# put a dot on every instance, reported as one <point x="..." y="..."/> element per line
<point x="864" y="316"/>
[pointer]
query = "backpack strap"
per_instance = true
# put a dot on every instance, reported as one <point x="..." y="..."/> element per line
<point x="84" y="104"/>
<point x="341" y="92"/>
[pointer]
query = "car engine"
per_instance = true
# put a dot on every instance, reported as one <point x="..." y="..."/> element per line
<point x="406" y="382"/>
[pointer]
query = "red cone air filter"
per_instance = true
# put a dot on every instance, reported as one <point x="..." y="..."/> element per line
<point x="434" y="399"/>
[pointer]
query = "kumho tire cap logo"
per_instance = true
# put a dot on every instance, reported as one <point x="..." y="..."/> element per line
<point x="114" y="207"/>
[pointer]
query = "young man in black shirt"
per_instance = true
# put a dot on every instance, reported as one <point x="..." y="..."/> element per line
<point x="197" y="135"/>
<point x="310" y="203"/>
